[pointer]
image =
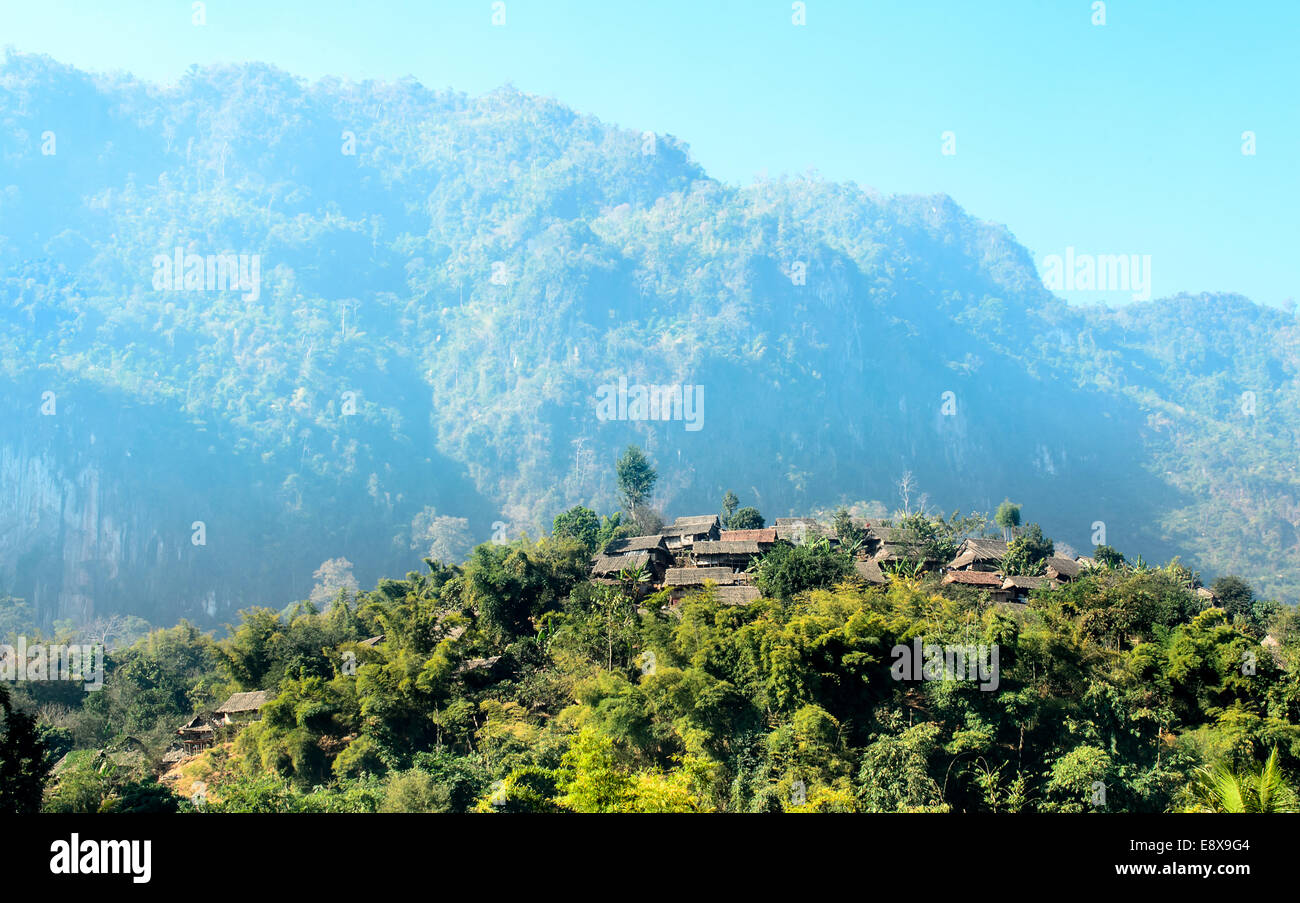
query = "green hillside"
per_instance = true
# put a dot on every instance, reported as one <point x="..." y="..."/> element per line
<point x="417" y="364"/>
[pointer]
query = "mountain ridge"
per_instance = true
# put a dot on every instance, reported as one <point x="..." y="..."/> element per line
<point x="482" y="265"/>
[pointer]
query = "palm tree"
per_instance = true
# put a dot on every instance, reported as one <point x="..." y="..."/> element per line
<point x="1220" y="789"/>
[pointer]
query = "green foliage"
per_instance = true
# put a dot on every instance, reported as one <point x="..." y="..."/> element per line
<point x="580" y="525"/>
<point x="1108" y="557"/>
<point x="729" y="503"/>
<point x="1007" y="517"/>
<point x="746" y="518"/>
<point x="850" y="535"/>
<point x="787" y="570"/>
<point x="733" y="518"/>
<point x="1234" y="595"/>
<point x="24" y="760"/>
<point x="1077" y="780"/>
<point x="636" y="478"/>
<point x="936" y="538"/>
<point x="513" y="684"/>
<point x="1027" y="554"/>
<point x="1260" y="789"/>
<point x="894" y="776"/>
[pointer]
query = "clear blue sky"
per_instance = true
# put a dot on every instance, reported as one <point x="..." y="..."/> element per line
<point x="1122" y="138"/>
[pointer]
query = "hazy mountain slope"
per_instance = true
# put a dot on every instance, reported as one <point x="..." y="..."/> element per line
<point x="474" y="273"/>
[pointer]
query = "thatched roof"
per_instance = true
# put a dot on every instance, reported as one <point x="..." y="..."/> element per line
<point x="244" y="702"/>
<point x="698" y="576"/>
<point x="611" y="564"/>
<point x="790" y="528"/>
<point x="1019" y="582"/>
<point x="702" y="522"/>
<point x="477" y="664"/>
<point x="717" y="547"/>
<point x="373" y="641"/>
<point x="979" y="551"/>
<point x="900" y="551"/>
<point x="1062" y="568"/>
<point x="869" y="571"/>
<point x="636" y="544"/>
<point x="199" y="724"/>
<point x="738" y="595"/>
<point x="974" y="578"/>
<point x="768" y="534"/>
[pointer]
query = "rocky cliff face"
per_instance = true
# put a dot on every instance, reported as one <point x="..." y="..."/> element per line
<point x="54" y="542"/>
<point x="90" y="525"/>
<point x="113" y="507"/>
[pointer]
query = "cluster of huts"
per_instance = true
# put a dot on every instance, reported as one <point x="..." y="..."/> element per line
<point x="690" y="553"/>
<point x="204" y="729"/>
<point x="694" y="551"/>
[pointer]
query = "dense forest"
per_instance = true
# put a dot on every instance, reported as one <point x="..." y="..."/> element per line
<point x="511" y="682"/>
<point x="444" y="283"/>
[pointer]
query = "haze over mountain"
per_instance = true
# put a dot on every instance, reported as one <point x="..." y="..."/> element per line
<point x="469" y="279"/>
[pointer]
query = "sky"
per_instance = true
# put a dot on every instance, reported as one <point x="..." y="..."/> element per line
<point x="1116" y="138"/>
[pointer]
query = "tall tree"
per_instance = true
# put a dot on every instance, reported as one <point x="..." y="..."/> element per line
<point x="636" y="478"/>
<point x="729" y="503"/>
<point x="1008" y="518"/>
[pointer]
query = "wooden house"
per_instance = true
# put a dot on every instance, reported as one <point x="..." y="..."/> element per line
<point x="472" y="665"/>
<point x="870" y="571"/>
<point x="894" y="545"/>
<point x="700" y="576"/>
<point x="766" y="537"/>
<point x="606" y="568"/>
<point x="657" y="558"/>
<point x="685" y="580"/>
<point x="1062" y="570"/>
<point x="735" y="555"/>
<point x="989" y="581"/>
<point x="197" y="734"/>
<point x="979" y="555"/>
<point x="241" y="708"/>
<point x="1020" y="587"/>
<point x="799" y="530"/>
<point x="983" y="579"/>
<point x="686" y="531"/>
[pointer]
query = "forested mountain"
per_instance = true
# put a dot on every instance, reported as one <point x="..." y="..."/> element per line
<point x="443" y="283"/>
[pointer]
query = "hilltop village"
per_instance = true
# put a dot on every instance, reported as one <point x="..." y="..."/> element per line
<point x="694" y="552"/>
